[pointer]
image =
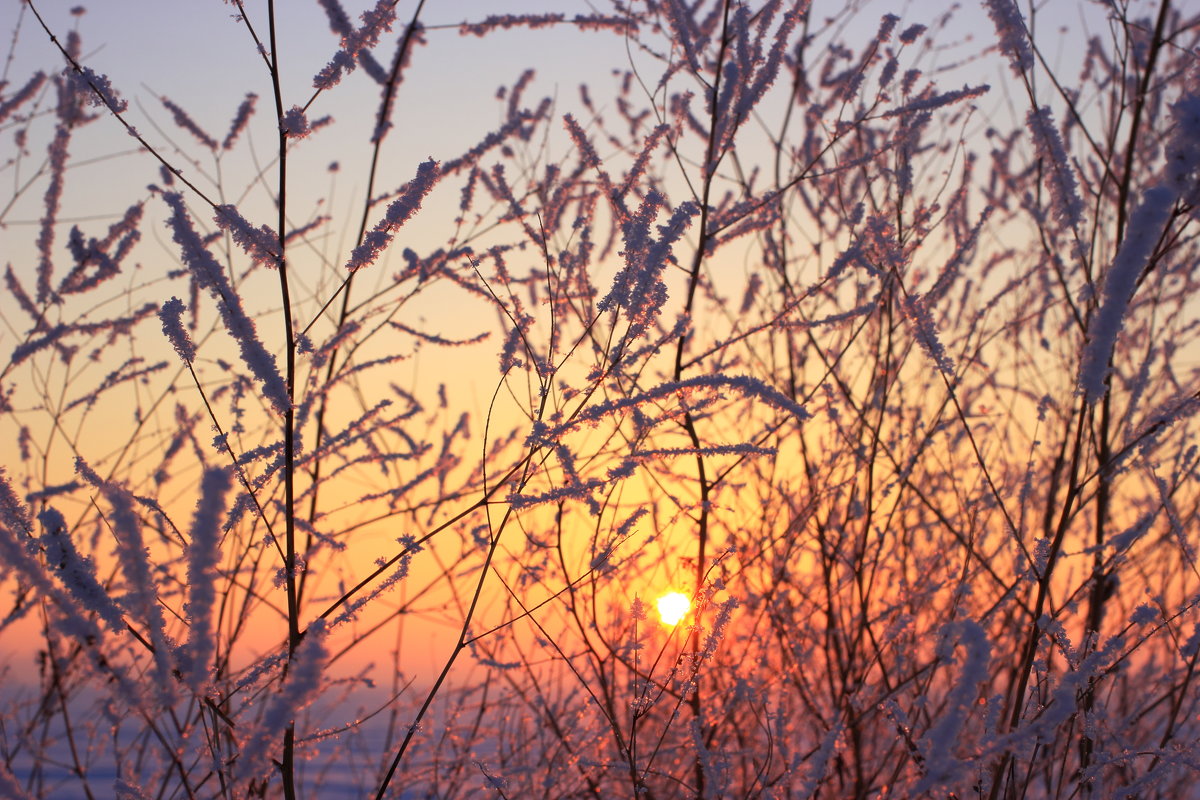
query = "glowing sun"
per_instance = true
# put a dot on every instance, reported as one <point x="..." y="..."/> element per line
<point x="672" y="607"/>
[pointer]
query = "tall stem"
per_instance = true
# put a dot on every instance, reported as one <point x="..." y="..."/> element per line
<point x="689" y="423"/>
<point x="289" y="418"/>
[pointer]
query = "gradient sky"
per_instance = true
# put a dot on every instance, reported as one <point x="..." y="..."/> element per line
<point x="196" y="54"/>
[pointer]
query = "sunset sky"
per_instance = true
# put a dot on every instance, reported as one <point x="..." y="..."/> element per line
<point x="199" y="57"/>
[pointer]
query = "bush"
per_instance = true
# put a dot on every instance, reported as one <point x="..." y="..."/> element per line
<point x="889" y="370"/>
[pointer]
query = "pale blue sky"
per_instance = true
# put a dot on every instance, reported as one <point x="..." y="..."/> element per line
<point x="195" y="53"/>
<point x="198" y="55"/>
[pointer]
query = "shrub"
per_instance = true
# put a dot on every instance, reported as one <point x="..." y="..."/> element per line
<point x="876" y="342"/>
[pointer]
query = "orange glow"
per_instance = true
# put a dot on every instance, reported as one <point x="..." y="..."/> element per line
<point x="672" y="607"/>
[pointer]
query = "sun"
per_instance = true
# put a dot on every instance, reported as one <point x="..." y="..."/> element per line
<point x="672" y="607"/>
